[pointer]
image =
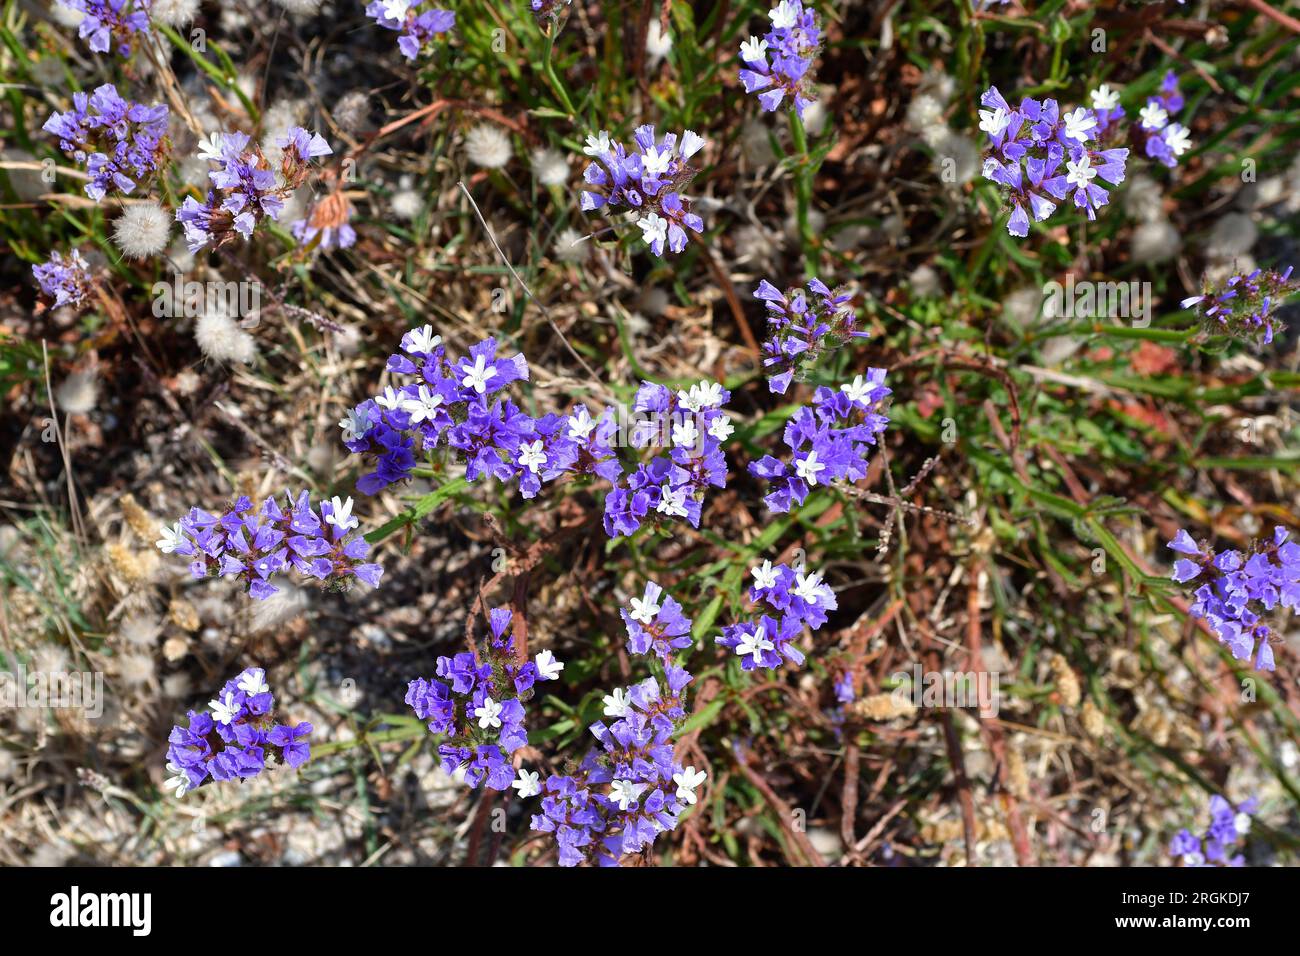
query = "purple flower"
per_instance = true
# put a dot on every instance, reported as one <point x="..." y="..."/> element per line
<point x="109" y="22"/>
<point x="417" y="29"/>
<point x="1243" y="304"/>
<point x="122" y="143"/>
<point x="1228" y="825"/>
<point x="64" y="280"/>
<point x="327" y="224"/>
<point x="779" y="66"/>
<point x="801" y="326"/>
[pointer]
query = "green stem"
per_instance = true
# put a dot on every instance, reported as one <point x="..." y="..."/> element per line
<point x="803" y="193"/>
<point x="549" y="69"/>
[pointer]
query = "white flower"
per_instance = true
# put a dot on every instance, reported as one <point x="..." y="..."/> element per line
<point x="657" y="42"/>
<point x="754" y="50"/>
<point x="1080" y="173"/>
<point x="994" y="121"/>
<point x="1079" y="124"/>
<point x="178" y="781"/>
<point x="223" y="712"/>
<point x="423" y="407"/>
<point x="1153" y="116"/>
<point x="754" y="644"/>
<point x="1241" y="823"/>
<point x="172" y="538"/>
<point x="421" y="340"/>
<point x="857" y="390"/>
<point x="808" y="468"/>
<point x="528" y="784"/>
<point x="581" y="424"/>
<point x="707" y="394"/>
<point x="477" y="377"/>
<point x="340" y="515"/>
<point x="597" y="145"/>
<point x="685" y="433"/>
<point x="143" y="230"/>
<point x="1104" y="98"/>
<point x="692" y="142"/>
<point x="547" y="665"/>
<point x="488" y="146"/>
<point x="721" y="428"/>
<point x="488" y="714"/>
<point x="808" y="587"/>
<point x="764" y="576"/>
<point x="672" y="503"/>
<point x="210" y="148"/>
<point x="617" y="704"/>
<point x="531" y="455"/>
<point x="645" y="610"/>
<point x="391" y="399"/>
<point x="655" y="160"/>
<point x="1177" y="138"/>
<point x="784" y="15"/>
<point x="396" y="9"/>
<point x="625" y="792"/>
<point x="654" y="228"/>
<point x="550" y="167"/>
<point x="687" y="781"/>
<point x="253" y="680"/>
<point x="355" y="425"/>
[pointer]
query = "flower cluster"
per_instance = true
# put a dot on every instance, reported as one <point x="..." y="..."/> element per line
<point x="1228" y="824"/>
<point x="1163" y="139"/>
<point x="550" y="11"/>
<point x="106" y="22"/>
<point x="234" y="739"/>
<point x="830" y="440"/>
<point x="327" y="224"/>
<point x="673" y="485"/>
<point x="478" y="707"/>
<point x="252" y="543"/>
<point x="797" y="597"/>
<point x="801" y="326"/>
<point x="64" y="280"/>
<point x="1037" y="150"/>
<point x="647" y="181"/>
<point x="1243" y="304"/>
<point x="629" y="788"/>
<point x="792" y="45"/>
<point x="120" y="142"/>
<point x="246" y="188"/>
<point x="417" y="29"/>
<point x="1231" y="582"/>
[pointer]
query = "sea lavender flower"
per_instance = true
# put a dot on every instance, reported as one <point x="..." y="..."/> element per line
<point x="673" y="486"/>
<point x="1243" y="304"/>
<point x="246" y="188"/>
<point x="647" y="181"/>
<point x="1234" y="589"/>
<point x="251" y="543"/>
<point x="476" y="704"/>
<point x="235" y="739"/>
<point x="799" y="597"/>
<point x="802" y="325"/>
<point x="830" y="440"/>
<point x="416" y="28"/>
<point x="630" y="787"/>
<point x="1037" y="150"/>
<point x="64" y="280"/>
<point x="111" y="23"/>
<point x="120" y="142"/>
<point x="780" y="64"/>
<point x="327" y="224"/>
<point x="1228" y="824"/>
<point x="1153" y="129"/>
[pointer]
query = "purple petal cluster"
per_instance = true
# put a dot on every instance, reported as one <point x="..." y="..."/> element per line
<point x="233" y="739"/>
<point x="780" y="64"/>
<point x="795" y="597"/>
<point x="1163" y="140"/>
<point x="1228" y="824"/>
<point x="120" y="142"/>
<point x="246" y="187"/>
<point x="252" y="543"/>
<point x="830" y="440"/>
<point x="1037" y="150"/>
<point x="629" y="788"/>
<point x="111" y="22"/>
<point x="476" y="703"/>
<point x="327" y="224"/>
<point x="801" y="326"/>
<point x="673" y="485"/>
<point x="416" y="28"/>
<point x="64" y="280"/>
<point x="647" y="181"/>
<point x="1235" y="588"/>
<point x="1242" y="305"/>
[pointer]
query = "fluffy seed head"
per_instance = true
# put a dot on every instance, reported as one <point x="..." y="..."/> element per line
<point x="550" y="167"/>
<point x="222" y="340"/>
<point x="488" y="146"/>
<point x="142" y="230"/>
<point x="142" y="630"/>
<point x="78" y="393"/>
<point x="173" y="13"/>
